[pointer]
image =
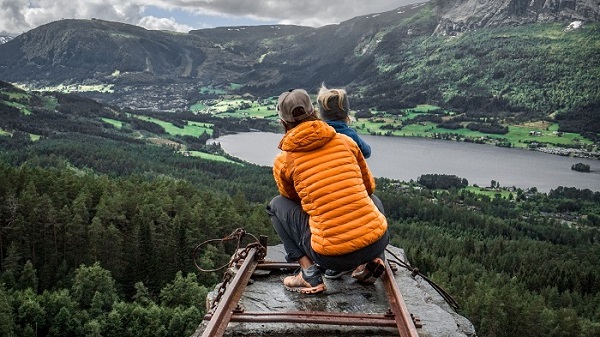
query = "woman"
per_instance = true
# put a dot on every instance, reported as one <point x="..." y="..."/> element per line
<point x="326" y="213"/>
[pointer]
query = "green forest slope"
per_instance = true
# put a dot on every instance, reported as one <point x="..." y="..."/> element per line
<point x="98" y="221"/>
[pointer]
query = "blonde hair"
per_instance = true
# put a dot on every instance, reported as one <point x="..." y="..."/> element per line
<point x="325" y="94"/>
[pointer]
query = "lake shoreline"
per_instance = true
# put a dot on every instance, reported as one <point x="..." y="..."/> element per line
<point x="407" y="158"/>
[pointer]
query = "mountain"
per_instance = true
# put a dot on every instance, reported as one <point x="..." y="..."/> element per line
<point x="75" y="51"/>
<point x="80" y="50"/>
<point x="512" y="59"/>
<point x="463" y="15"/>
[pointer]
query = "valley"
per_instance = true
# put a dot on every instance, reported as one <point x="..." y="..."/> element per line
<point x="423" y="120"/>
<point x="108" y="179"/>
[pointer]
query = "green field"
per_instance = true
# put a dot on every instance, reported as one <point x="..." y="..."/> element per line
<point x="117" y="124"/>
<point x="17" y="95"/>
<point x="381" y="123"/>
<point x="19" y="106"/>
<point x="490" y="193"/>
<point x="193" y="129"/>
<point x="259" y="111"/>
<point x="32" y="136"/>
<point x="519" y="135"/>
<point x="209" y="156"/>
<point x="198" y="107"/>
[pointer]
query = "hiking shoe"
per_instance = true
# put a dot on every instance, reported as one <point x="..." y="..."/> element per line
<point x="303" y="284"/>
<point x="335" y="274"/>
<point x="369" y="272"/>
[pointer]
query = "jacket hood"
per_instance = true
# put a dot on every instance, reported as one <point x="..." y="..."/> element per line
<point x="307" y="136"/>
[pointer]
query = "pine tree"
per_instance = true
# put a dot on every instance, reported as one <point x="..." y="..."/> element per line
<point x="28" y="277"/>
<point x="7" y="323"/>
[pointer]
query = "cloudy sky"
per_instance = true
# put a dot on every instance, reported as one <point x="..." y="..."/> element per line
<point x="19" y="16"/>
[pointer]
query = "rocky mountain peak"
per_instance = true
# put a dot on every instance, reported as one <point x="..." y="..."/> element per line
<point x="457" y="16"/>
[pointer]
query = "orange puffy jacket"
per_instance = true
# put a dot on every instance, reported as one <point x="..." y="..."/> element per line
<point x="328" y="174"/>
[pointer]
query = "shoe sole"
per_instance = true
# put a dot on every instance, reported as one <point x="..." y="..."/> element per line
<point x="376" y="267"/>
<point x="373" y="271"/>
<point x="314" y="290"/>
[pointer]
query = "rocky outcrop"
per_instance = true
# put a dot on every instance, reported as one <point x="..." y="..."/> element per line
<point x="266" y="294"/>
<point x="464" y="15"/>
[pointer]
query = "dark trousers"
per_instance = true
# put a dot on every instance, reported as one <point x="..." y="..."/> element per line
<point x="291" y="224"/>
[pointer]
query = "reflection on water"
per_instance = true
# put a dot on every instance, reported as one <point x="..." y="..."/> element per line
<point x="408" y="158"/>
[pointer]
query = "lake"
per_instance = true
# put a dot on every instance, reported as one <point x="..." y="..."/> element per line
<point x="406" y="158"/>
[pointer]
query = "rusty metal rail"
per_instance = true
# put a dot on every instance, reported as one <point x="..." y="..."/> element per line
<point x="222" y="315"/>
<point x="228" y="309"/>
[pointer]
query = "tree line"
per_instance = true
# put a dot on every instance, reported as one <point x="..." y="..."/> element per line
<point x="78" y="210"/>
<point x="506" y="258"/>
<point x="83" y="253"/>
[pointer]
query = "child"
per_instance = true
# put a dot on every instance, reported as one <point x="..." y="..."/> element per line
<point x="334" y="109"/>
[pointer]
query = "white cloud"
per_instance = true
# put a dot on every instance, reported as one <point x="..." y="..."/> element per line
<point x="17" y="16"/>
<point x="154" y="23"/>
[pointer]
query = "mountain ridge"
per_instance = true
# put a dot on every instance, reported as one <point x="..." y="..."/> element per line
<point x="66" y="50"/>
<point x="414" y="54"/>
<point x="464" y="15"/>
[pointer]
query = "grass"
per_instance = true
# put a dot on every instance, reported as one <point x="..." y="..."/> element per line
<point x="260" y="111"/>
<point x="17" y="95"/>
<point x="117" y="124"/>
<point x="490" y="193"/>
<point x="382" y="123"/>
<point x="255" y="111"/>
<point x="32" y="136"/>
<point x="210" y="156"/>
<point x="201" y="128"/>
<point x="424" y="108"/>
<point x="519" y="136"/>
<point x="19" y="106"/>
<point x="191" y="129"/>
<point x="198" y="107"/>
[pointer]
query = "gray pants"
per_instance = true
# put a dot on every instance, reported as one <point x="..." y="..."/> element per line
<point x="291" y="224"/>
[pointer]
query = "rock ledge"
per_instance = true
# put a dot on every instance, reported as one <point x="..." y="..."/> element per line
<point x="265" y="293"/>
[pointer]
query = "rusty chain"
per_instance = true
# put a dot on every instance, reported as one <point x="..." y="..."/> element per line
<point x="238" y="257"/>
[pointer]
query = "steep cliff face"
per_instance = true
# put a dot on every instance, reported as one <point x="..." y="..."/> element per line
<point x="463" y="15"/>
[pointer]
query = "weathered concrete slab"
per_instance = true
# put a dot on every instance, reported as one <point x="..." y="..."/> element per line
<point x="266" y="294"/>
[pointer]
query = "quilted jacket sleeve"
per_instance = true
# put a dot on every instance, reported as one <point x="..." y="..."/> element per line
<point x="283" y="178"/>
<point x="367" y="176"/>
